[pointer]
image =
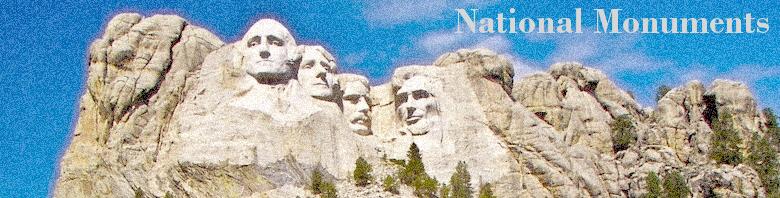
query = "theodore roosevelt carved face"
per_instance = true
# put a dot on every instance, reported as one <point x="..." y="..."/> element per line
<point x="317" y="73"/>
<point x="355" y="101"/>
<point x="268" y="51"/>
<point x="417" y="107"/>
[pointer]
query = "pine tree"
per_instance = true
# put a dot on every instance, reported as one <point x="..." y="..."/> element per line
<point x="675" y="186"/>
<point x="390" y="185"/>
<point x="316" y="181"/>
<point x="460" y="182"/>
<point x="661" y="92"/>
<point x="623" y="134"/>
<point x="414" y="167"/>
<point x="328" y="190"/>
<point x="139" y="193"/>
<point x="773" y="130"/>
<point x="763" y="158"/>
<point x="653" y="186"/>
<point x="485" y="191"/>
<point x="725" y="140"/>
<point x="771" y="119"/>
<point x="444" y="191"/>
<point x="425" y="186"/>
<point x="362" y="173"/>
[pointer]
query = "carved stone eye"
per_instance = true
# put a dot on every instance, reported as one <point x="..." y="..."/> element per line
<point x="352" y="98"/>
<point x="275" y="41"/>
<point x="419" y="94"/>
<point x="402" y="97"/>
<point x="253" y="42"/>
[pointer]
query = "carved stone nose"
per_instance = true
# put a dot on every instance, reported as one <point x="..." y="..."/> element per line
<point x="265" y="54"/>
<point x="409" y="111"/>
<point x="362" y="106"/>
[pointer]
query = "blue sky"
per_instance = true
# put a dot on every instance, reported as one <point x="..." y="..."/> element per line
<point x="45" y="44"/>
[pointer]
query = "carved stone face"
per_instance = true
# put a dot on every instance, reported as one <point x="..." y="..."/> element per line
<point x="356" y="106"/>
<point x="418" y="108"/>
<point x="266" y="49"/>
<point x="316" y="73"/>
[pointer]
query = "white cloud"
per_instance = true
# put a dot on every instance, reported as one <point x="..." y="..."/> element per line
<point x="523" y="67"/>
<point x="436" y="43"/>
<point x="611" y="53"/>
<point x="498" y="43"/>
<point x="389" y="12"/>
<point x="355" y="58"/>
<point x="745" y="73"/>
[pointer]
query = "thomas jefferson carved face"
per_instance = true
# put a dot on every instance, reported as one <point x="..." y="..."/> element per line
<point x="317" y="73"/>
<point x="418" y="108"/>
<point x="356" y="105"/>
<point x="267" y="49"/>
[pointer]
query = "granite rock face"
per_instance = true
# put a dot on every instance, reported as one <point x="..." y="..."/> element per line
<point x="170" y="109"/>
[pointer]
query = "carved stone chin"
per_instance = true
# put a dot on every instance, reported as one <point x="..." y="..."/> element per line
<point x="268" y="51"/>
<point x="317" y="73"/>
<point x="418" y="109"/>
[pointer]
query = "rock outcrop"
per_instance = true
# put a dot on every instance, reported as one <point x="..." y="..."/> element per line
<point x="170" y="109"/>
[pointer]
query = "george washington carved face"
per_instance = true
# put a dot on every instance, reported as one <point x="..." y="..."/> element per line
<point x="268" y="49"/>
<point x="417" y="107"/>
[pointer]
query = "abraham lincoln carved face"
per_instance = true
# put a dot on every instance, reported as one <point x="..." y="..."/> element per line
<point x="417" y="107"/>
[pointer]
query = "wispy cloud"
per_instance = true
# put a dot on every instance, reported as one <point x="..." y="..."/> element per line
<point x="436" y="43"/>
<point x="614" y="54"/>
<point x="355" y="58"/>
<point x="762" y="80"/>
<point x="611" y="53"/>
<point x="747" y="73"/>
<point x="388" y="13"/>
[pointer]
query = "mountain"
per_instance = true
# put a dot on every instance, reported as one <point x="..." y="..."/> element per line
<point x="170" y="109"/>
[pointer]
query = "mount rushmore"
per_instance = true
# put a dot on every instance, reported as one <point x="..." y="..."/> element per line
<point x="169" y="109"/>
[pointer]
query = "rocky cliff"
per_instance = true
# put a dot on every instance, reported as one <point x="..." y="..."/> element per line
<point x="171" y="109"/>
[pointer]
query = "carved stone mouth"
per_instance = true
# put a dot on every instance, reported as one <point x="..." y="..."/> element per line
<point x="413" y="119"/>
<point x="360" y="120"/>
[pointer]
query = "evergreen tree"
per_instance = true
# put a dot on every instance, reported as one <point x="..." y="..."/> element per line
<point x="773" y="130"/>
<point x="623" y="134"/>
<point x="168" y="195"/>
<point x="414" y="167"/>
<point x="425" y="186"/>
<point x="771" y="119"/>
<point x="444" y="191"/>
<point x="316" y="181"/>
<point x="328" y="190"/>
<point x="390" y="185"/>
<point x="725" y="140"/>
<point x="362" y="173"/>
<point x="763" y="158"/>
<point x="139" y="193"/>
<point x="460" y="182"/>
<point x="675" y="186"/>
<point x="653" y="186"/>
<point x="485" y="191"/>
<point x="661" y="92"/>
